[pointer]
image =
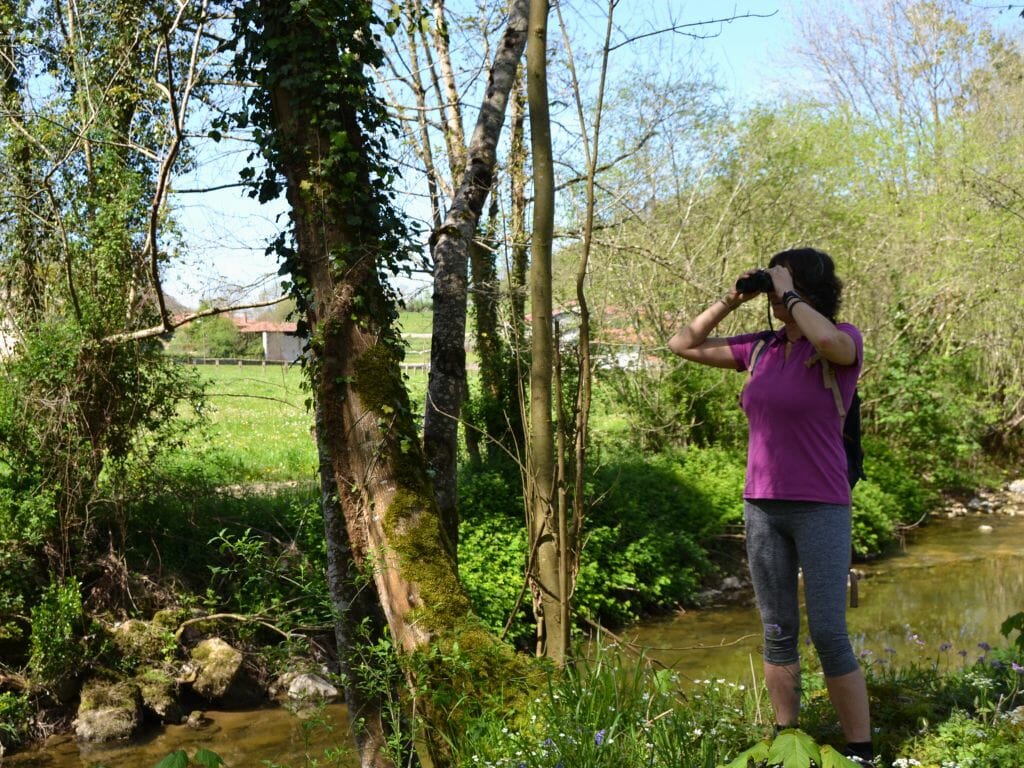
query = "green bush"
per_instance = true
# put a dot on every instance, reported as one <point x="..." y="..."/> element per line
<point x="671" y="406"/>
<point x="935" y="408"/>
<point x="875" y="517"/>
<point x="58" y="627"/>
<point x="15" y="718"/>
<point x="645" y="538"/>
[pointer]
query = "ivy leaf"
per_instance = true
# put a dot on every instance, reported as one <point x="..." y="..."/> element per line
<point x="174" y="760"/>
<point x="793" y="748"/>
<point x="756" y="755"/>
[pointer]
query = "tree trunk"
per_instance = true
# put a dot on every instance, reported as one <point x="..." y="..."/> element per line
<point x="372" y="466"/>
<point x="451" y="244"/>
<point x="552" y="633"/>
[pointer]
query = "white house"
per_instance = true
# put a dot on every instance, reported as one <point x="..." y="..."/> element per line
<point x="281" y="342"/>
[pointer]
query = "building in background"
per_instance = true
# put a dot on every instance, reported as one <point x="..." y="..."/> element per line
<point x="281" y="342"/>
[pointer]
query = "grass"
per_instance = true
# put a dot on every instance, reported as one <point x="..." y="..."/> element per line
<point x="260" y="428"/>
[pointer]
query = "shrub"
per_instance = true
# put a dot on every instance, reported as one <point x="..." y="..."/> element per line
<point x="57" y="649"/>
<point x="15" y="717"/>
<point x="674" y="406"/>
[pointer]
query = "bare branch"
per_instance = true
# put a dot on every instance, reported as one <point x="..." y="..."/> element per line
<point x="177" y="322"/>
<point x="679" y="29"/>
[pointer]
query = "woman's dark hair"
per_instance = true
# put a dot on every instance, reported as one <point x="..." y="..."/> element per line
<point x="814" y="276"/>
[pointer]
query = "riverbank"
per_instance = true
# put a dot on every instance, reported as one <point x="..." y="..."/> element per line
<point x="920" y="610"/>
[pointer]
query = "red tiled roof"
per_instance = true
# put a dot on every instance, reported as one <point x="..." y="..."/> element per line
<point x="267" y="326"/>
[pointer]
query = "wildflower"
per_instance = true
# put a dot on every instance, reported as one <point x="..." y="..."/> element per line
<point x="985" y="647"/>
<point x="599" y="737"/>
<point x="1017" y="668"/>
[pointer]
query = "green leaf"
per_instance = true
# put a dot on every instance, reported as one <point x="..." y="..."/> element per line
<point x="174" y="760"/>
<point x="793" y="748"/>
<point x="830" y="758"/>
<point x="207" y="759"/>
<point x="755" y="755"/>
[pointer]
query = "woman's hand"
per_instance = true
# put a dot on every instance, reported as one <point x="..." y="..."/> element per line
<point x="781" y="279"/>
<point x="733" y="297"/>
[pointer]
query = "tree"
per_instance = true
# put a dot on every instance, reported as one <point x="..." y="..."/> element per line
<point x="544" y="526"/>
<point x="94" y="99"/>
<point x="325" y="138"/>
<point x="452" y="244"/>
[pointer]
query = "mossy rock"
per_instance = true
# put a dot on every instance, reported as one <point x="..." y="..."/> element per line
<point x="221" y="676"/>
<point x="160" y="695"/>
<point x="140" y="641"/>
<point x="108" y="711"/>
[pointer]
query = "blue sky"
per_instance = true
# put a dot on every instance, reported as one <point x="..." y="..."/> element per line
<point x="225" y="232"/>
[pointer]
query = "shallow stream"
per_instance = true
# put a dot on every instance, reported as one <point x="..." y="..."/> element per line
<point x="941" y="600"/>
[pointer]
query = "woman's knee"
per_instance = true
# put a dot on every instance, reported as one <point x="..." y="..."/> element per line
<point x="834" y="652"/>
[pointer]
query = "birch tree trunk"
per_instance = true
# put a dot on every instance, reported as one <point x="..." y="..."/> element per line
<point x="451" y="245"/>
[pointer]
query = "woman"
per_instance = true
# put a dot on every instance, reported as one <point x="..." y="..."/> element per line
<point x="797" y="494"/>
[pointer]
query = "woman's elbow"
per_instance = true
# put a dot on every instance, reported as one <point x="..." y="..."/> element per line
<point x="680" y="344"/>
<point x="837" y="347"/>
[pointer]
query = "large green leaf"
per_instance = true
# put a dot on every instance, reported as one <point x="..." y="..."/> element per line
<point x="830" y="758"/>
<point x="750" y="757"/>
<point x="174" y="760"/>
<point x="793" y="748"/>
<point x="207" y="759"/>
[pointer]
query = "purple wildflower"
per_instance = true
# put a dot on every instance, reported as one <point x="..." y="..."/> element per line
<point x="599" y="737"/>
<point x="945" y="647"/>
<point x="985" y="647"/>
<point x="1017" y="668"/>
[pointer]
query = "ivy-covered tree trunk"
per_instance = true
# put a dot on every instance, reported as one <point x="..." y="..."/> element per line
<point x="451" y="248"/>
<point x="325" y="138"/>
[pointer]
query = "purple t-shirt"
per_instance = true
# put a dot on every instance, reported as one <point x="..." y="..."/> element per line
<point x="795" y="447"/>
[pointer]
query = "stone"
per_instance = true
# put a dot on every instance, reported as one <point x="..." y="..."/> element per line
<point x="139" y="640"/>
<point x="309" y="687"/>
<point x="160" y="695"/>
<point x="1016" y="487"/>
<point x="108" y="711"/>
<point x="220" y="676"/>
<point x="217" y="665"/>
<point x="985" y="528"/>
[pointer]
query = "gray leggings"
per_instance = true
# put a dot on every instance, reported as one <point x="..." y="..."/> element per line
<point x="783" y="536"/>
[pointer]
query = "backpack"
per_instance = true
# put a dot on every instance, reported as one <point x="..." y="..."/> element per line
<point x="851" y="417"/>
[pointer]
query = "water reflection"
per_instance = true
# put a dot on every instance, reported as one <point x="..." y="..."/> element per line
<point x="954" y="584"/>
<point x="274" y="735"/>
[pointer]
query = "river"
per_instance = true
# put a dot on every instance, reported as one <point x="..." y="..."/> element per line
<point x="940" y="600"/>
